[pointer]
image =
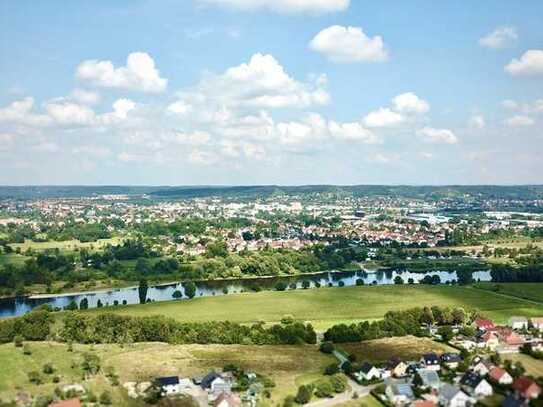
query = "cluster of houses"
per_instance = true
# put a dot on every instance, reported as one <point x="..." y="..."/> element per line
<point x="503" y="339"/>
<point x="433" y="380"/>
<point x="448" y="380"/>
<point x="214" y="389"/>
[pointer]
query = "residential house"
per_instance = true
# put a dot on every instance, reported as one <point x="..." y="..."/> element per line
<point x="488" y="339"/>
<point x="451" y="360"/>
<point x="452" y="396"/>
<point x="66" y="403"/>
<point x="368" y="372"/>
<point x="227" y="400"/>
<point x="482" y="367"/>
<point x="169" y="384"/>
<point x="429" y="378"/>
<point x="430" y="361"/>
<point x="423" y="403"/>
<point x="215" y="383"/>
<point x="484" y="324"/>
<point x="518" y="322"/>
<point x="399" y="392"/>
<point x="476" y="385"/>
<point x="396" y="367"/>
<point x="509" y="338"/>
<point x="537" y="323"/>
<point x="526" y="388"/>
<point x="499" y="375"/>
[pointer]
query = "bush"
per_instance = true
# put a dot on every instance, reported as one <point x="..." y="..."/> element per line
<point x="326" y="347"/>
<point x="26" y="349"/>
<point x="34" y="377"/>
<point x="48" y="368"/>
<point x="339" y="383"/>
<point x="18" y="341"/>
<point x="177" y="294"/>
<point x="105" y="398"/>
<point x="306" y="284"/>
<point x="289" y="401"/>
<point x="359" y="282"/>
<point x="304" y="394"/>
<point x="281" y="286"/>
<point x="331" y="369"/>
<point x="324" y="389"/>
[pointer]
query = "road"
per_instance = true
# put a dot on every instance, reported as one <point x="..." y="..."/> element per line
<point x="354" y="387"/>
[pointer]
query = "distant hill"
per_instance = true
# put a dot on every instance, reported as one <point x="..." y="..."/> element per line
<point x="521" y="192"/>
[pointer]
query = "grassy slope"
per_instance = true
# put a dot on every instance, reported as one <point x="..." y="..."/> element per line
<point x="531" y="291"/>
<point x="289" y="366"/>
<point x="406" y="348"/>
<point x="533" y="366"/>
<point x="326" y="306"/>
<point x="67" y="245"/>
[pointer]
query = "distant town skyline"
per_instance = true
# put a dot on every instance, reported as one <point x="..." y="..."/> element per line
<point x="252" y="92"/>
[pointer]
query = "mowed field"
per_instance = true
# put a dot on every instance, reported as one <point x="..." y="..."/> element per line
<point x="328" y="306"/>
<point x="405" y="348"/>
<point x="288" y="366"/>
<point x="530" y="291"/>
<point x="533" y="366"/>
<point x="66" y="246"/>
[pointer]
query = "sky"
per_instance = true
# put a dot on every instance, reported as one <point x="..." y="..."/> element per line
<point x="290" y="92"/>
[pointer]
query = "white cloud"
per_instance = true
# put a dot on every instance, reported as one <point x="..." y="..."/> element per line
<point x="527" y="108"/>
<point x="197" y="137"/>
<point x="530" y="63"/>
<point x="383" y="117"/>
<point x="520" y="121"/>
<point x="85" y="97"/>
<point x="202" y="157"/>
<point x="179" y="107"/>
<point x="260" y="83"/>
<point x="20" y="112"/>
<point x="46" y="147"/>
<point x="384" y="158"/>
<point x="349" y="44"/>
<point x="431" y="135"/>
<point x="139" y="74"/>
<point x="121" y="107"/>
<point x="67" y="113"/>
<point x="92" y="150"/>
<point x="410" y="103"/>
<point x="501" y="37"/>
<point x="310" y="129"/>
<point x="477" y="122"/>
<point x="510" y="104"/>
<point x="284" y="6"/>
<point x="352" y="132"/>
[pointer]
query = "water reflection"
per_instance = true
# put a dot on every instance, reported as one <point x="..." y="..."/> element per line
<point x="18" y="306"/>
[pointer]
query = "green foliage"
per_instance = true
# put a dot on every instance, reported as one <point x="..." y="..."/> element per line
<point x="304" y="394"/>
<point x="190" y="289"/>
<point x="34" y="377"/>
<point x="48" y="368"/>
<point x="105" y="398"/>
<point x="331" y="369"/>
<point x="18" y="341"/>
<point x="177" y="294"/>
<point x="326" y="347"/>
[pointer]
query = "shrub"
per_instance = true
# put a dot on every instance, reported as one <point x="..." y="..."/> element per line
<point x="26" y="349"/>
<point x="18" y="341"/>
<point x="304" y="394"/>
<point x="324" y="389"/>
<point x="326" y="347"/>
<point x="281" y="286"/>
<point x="331" y="369"/>
<point x="34" y="377"/>
<point x="105" y="398"/>
<point x="48" y="368"/>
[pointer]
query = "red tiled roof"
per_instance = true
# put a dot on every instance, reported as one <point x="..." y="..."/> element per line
<point x="523" y="384"/>
<point x="484" y="323"/>
<point x="496" y="373"/>
<point x="423" y="403"/>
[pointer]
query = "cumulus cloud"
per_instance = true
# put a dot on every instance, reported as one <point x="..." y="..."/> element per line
<point x="383" y="117"/>
<point x="530" y="63"/>
<point x="352" y="132"/>
<point x="67" y="113"/>
<point x="410" y="103"/>
<point x="520" y="121"/>
<point x="260" y="83"/>
<point x="431" y="135"/>
<point x="501" y="37"/>
<point x="477" y="122"/>
<point x="284" y="6"/>
<point x="85" y="97"/>
<point x="139" y="74"/>
<point x="525" y="107"/>
<point x="349" y="44"/>
<point x="179" y="107"/>
<point x="20" y="112"/>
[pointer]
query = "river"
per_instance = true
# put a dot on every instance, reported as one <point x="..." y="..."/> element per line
<point x="10" y="307"/>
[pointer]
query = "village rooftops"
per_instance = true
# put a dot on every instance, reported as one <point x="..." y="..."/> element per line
<point x="484" y="324"/>
<point x="66" y="403"/>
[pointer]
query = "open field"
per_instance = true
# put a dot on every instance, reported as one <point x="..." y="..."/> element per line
<point x="533" y="366"/>
<point x="368" y="401"/>
<point x="66" y="246"/>
<point x="405" y="348"/>
<point x="516" y="243"/>
<point x="13" y="258"/>
<point x="288" y="366"/>
<point x="530" y="291"/>
<point x="327" y="306"/>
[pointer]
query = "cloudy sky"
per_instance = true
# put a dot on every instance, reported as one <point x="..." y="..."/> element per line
<point x="271" y="92"/>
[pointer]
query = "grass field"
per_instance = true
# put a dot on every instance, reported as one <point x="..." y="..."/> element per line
<point x="405" y="348"/>
<point x="368" y="401"/>
<point x="65" y="246"/>
<point x="13" y="258"/>
<point x="533" y="366"/>
<point x="288" y="366"/>
<point x="530" y="291"/>
<point x="327" y="306"/>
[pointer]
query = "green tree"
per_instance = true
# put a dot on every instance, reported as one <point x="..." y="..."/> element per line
<point x="304" y="394"/>
<point x="84" y="304"/>
<point x="177" y="294"/>
<point x="190" y="289"/>
<point x="142" y="290"/>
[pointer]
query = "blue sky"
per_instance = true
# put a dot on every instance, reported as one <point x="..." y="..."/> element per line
<point x="259" y="92"/>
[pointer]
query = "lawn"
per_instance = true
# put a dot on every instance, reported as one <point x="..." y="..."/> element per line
<point x="533" y="366"/>
<point x="327" y="306"/>
<point x="530" y="291"/>
<point x="286" y="365"/>
<point x="13" y="258"/>
<point x="65" y="246"/>
<point x="367" y="401"/>
<point x="405" y="348"/>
